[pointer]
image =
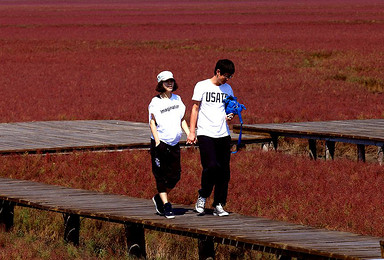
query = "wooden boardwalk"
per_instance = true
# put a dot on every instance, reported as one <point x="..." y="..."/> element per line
<point x="238" y="230"/>
<point x="359" y="132"/>
<point x="66" y="136"/>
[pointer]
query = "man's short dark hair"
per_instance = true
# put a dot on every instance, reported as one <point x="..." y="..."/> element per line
<point x="160" y="88"/>
<point x="225" y="66"/>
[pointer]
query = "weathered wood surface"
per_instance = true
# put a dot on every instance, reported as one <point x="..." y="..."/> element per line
<point x="63" y="136"/>
<point x="365" y="132"/>
<point x="245" y="231"/>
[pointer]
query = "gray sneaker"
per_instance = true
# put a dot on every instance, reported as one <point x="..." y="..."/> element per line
<point x="219" y="211"/>
<point x="200" y="204"/>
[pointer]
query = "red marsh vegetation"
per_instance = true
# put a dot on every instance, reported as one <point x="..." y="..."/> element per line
<point x="295" y="61"/>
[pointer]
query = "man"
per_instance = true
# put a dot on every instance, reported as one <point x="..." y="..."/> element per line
<point x="209" y="117"/>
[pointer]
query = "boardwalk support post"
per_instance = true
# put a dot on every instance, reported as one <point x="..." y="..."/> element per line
<point x="382" y="248"/>
<point x="275" y="141"/>
<point x="380" y="155"/>
<point x="6" y="215"/>
<point x="329" y="150"/>
<point x="206" y="248"/>
<point x="135" y="236"/>
<point x="361" y="152"/>
<point x="312" y="149"/>
<point x="71" y="228"/>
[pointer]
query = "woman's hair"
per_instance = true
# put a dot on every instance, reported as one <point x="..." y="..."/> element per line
<point x="225" y="66"/>
<point x="160" y="88"/>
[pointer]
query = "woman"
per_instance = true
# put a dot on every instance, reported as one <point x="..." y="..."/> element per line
<point x="166" y="120"/>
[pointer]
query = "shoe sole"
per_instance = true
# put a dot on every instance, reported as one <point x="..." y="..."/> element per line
<point x="221" y="215"/>
<point x="169" y="217"/>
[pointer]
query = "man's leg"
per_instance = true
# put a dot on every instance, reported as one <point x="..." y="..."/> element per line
<point x="209" y="163"/>
<point x="223" y="154"/>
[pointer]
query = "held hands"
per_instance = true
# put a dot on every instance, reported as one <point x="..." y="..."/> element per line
<point x="191" y="138"/>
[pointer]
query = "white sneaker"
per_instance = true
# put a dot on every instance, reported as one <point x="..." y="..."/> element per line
<point x="200" y="204"/>
<point x="219" y="211"/>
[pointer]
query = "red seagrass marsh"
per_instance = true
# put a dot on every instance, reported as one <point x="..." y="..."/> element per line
<point x="97" y="59"/>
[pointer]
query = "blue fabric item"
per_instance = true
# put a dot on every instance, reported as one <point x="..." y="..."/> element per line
<point x="232" y="106"/>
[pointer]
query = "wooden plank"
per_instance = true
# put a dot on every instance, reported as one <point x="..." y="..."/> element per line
<point x="253" y="232"/>
<point x="64" y="136"/>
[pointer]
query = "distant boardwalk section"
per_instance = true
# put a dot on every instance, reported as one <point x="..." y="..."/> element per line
<point x="65" y="136"/>
<point x="359" y="132"/>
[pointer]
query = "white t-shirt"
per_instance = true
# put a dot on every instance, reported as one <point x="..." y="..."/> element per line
<point x="168" y="113"/>
<point x="211" y="119"/>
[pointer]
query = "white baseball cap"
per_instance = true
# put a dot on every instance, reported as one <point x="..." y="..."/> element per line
<point x="164" y="75"/>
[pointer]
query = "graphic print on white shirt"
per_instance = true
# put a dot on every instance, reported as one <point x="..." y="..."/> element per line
<point x="211" y="120"/>
<point x="168" y="113"/>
